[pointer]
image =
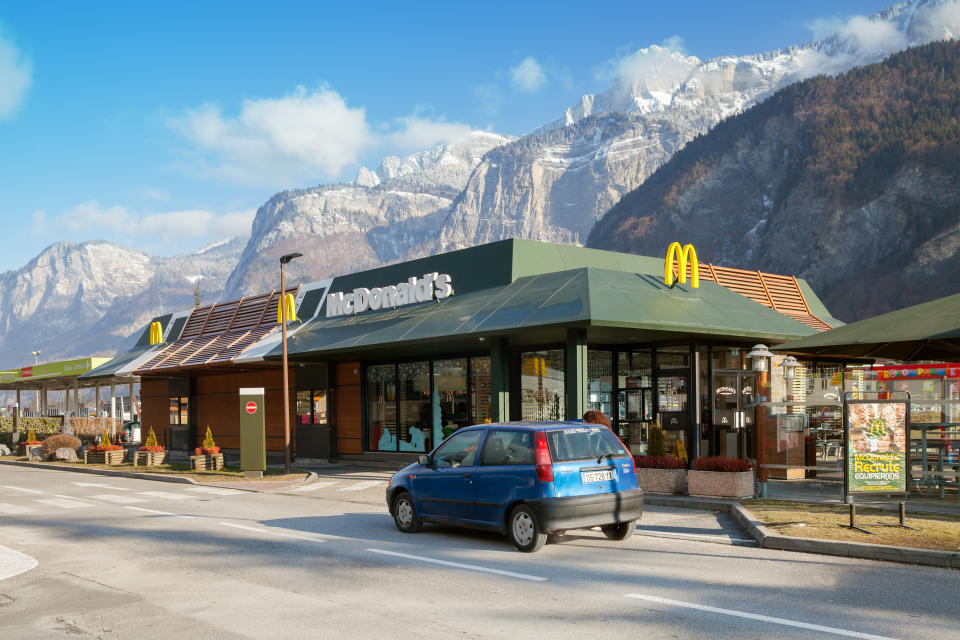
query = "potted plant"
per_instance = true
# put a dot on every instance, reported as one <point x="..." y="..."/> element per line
<point x="208" y="455"/>
<point x="151" y="453"/>
<point x="658" y="472"/>
<point x="720" y="477"/>
<point x="104" y="453"/>
<point x="30" y="443"/>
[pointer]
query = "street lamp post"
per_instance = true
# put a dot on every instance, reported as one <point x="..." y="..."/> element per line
<point x="760" y="360"/>
<point x="283" y="331"/>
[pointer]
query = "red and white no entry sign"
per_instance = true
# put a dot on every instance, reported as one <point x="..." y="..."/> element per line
<point x="251" y="407"/>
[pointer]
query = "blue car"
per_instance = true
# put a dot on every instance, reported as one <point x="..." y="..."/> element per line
<point x="525" y="479"/>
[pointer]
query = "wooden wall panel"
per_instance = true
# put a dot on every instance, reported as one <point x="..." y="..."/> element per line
<point x="348" y="398"/>
<point x="218" y="405"/>
<point x="154" y="410"/>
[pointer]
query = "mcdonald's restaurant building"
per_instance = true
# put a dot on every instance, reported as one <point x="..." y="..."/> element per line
<point x="385" y="363"/>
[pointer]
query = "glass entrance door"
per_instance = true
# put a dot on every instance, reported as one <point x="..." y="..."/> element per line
<point x="634" y="414"/>
<point x="734" y="401"/>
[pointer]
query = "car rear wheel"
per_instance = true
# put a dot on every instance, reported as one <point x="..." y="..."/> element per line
<point x="524" y="530"/>
<point x="405" y="514"/>
<point x="620" y="531"/>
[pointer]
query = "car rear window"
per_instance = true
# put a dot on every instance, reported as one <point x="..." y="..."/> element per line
<point x="582" y="443"/>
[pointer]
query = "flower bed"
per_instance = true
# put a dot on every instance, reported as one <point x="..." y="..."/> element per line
<point x="206" y="462"/>
<point x="143" y="458"/>
<point x="661" y="474"/>
<point x="111" y="456"/>
<point x="720" y="477"/>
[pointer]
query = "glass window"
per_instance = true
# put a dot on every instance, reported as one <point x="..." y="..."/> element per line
<point x="459" y="451"/>
<point x="320" y="407"/>
<point x="450" y="410"/>
<point x="542" y="392"/>
<point x="673" y="357"/>
<point x="727" y="358"/>
<point x="600" y="382"/>
<point x="480" y="390"/>
<point x="303" y="407"/>
<point x="672" y="393"/>
<point x="507" y="447"/>
<point x="725" y="393"/>
<point x="184" y="410"/>
<point x="582" y="444"/>
<point x="634" y="369"/>
<point x="382" y="407"/>
<point x="174" y="410"/>
<point x="415" y="431"/>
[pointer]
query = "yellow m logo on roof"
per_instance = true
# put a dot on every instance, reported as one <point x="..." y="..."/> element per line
<point x="156" y="333"/>
<point x="286" y="309"/>
<point x="683" y="254"/>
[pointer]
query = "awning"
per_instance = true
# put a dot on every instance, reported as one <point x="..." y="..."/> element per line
<point x="122" y="366"/>
<point x="928" y="331"/>
<point x="586" y="297"/>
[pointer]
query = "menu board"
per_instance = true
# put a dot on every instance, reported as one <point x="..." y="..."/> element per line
<point x="877" y="446"/>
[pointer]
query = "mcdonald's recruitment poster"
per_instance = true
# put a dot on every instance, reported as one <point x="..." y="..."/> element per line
<point x="877" y="447"/>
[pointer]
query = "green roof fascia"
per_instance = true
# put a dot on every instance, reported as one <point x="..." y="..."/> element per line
<point x="121" y="364"/>
<point x="533" y="301"/>
<point x="935" y="320"/>
<point x="58" y="369"/>
<point x="637" y="301"/>
<point x="532" y="258"/>
<point x="816" y="305"/>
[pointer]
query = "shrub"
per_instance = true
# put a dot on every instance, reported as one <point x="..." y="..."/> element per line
<point x="89" y="429"/>
<point x="659" y="462"/>
<point x="209" y="447"/>
<point x="51" y="444"/>
<point x="655" y="447"/>
<point x="105" y="447"/>
<point x="719" y="463"/>
<point x="152" y="444"/>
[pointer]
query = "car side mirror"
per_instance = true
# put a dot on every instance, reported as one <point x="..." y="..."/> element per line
<point x="424" y="460"/>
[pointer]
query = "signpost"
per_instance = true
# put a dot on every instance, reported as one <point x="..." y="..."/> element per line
<point x="876" y="444"/>
<point x="253" y="435"/>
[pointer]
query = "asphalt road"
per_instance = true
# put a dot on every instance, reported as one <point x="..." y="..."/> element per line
<point x="83" y="556"/>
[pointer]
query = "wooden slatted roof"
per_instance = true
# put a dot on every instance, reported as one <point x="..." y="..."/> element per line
<point x="780" y="293"/>
<point x="219" y="333"/>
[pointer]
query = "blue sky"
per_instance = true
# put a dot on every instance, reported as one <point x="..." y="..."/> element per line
<point x="163" y="126"/>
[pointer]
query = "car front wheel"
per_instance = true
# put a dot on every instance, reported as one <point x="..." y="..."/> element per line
<point x="620" y="531"/>
<point x="524" y="530"/>
<point x="405" y="514"/>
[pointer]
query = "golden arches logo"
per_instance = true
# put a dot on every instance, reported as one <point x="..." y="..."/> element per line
<point x="287" y="308"/>
<point x="682" y="254"/>
<point x="156" y="333"/>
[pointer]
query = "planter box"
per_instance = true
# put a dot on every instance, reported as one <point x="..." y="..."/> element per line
<point x="27" y="448"/>
<point x="719" y="484"/>
<point x="104" y="457"/>
<point x="150" y="458"/>
<point x="663" y="480"/>
<point x="206" y="463"/>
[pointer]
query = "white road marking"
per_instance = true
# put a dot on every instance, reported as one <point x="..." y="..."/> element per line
<point x="213" y="490"/>
<point x="101" y="485"/>
<point x="360" y="486"/>
<point x="65" y="503"/>
<point x="754" y="616"/>
<point x="160" y="513"/>
<point x="10" y="486"/>
<point x="108" y="497"/>
<point x="268" y="532"/>
<point x="13" y="509"/>
<point x="313" y="486"/>
<point x="460" y="565"/>
<point x="166" y="495"/>
<point x="13" y="563"/>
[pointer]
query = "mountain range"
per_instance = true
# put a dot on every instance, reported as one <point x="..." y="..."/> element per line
<point x="554" y="184"/>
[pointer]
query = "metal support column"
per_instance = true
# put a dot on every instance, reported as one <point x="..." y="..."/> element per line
<point x="499" y="380"/>
<point x="575" y="374"/>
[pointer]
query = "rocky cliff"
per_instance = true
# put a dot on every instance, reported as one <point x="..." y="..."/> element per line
<point x="851" y="182"/>
<point x="93" y="298"/>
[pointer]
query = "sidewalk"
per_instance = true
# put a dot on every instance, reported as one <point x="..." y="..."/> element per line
<point x="771" y="540"/>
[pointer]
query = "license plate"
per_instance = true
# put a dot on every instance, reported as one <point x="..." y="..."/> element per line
<point x="596" y="476"/>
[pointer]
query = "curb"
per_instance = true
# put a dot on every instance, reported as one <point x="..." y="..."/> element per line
<point x="908" y="555"/>
<point x="104" y="472"/>
<point x="687" y="502"/>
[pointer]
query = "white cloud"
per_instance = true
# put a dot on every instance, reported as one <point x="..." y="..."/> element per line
<point x="674" y="43"/>
<point x="528" y="76"/>
<point x="285" y="141"/>
<point x="16" y="76"/>
<point x="151" y="193"/>
<point x="163" y="232"/>
<point x="278" y="139"/>
<point x="657" y="68"/>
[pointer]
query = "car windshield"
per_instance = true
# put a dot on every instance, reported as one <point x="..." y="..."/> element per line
<point x="583" y="443"/>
